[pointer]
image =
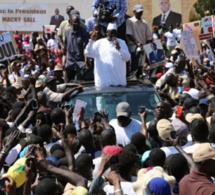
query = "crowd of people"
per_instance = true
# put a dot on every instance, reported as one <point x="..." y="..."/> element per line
<point x="42" y="150"/>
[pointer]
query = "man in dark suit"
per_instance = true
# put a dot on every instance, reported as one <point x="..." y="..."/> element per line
<point x="157" y="55"/>
<point x="56" y="19"/>
<point x="168" y="17"/>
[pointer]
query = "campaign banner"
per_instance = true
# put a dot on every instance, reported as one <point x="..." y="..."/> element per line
<point x="28" y="17"/>
<point x="49" y="28"/>
<point x="189" y="45"/>
<point x="207" y="24"/>
<point x="173" y="7"/>
<point x="7" y="46"/>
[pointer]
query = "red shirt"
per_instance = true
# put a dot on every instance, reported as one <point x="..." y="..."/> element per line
<point x="196" y="183"/>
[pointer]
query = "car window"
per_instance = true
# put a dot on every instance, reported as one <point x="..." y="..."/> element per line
<point x="109" y="101"/>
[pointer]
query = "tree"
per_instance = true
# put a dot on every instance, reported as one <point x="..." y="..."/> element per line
<point x="203" y="5"/>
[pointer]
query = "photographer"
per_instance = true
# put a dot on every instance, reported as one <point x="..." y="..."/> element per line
<point x="107" y="11"/>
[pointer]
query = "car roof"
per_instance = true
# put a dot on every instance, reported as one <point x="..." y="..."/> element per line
<point x="132" y="86"/>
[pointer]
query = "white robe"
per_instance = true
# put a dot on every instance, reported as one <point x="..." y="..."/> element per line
<point x="110" y="63"/>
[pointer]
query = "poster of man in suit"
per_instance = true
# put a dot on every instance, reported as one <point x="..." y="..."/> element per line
<point x="166" y="11"/>
<point x="57" y="18"/>
<point x="155" y="53"/>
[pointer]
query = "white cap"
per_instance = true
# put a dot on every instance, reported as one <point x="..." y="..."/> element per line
<point x="169" y="65"/>
<point x="112" y="26"/>
<point x="194" y="93"/>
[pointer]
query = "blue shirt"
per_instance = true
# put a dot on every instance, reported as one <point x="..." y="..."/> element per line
<point x="119" y="12"/>
<point x="75" y="43"/>
<point x="90" y="22"/>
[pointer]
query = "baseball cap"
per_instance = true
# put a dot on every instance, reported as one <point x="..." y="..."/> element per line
<point x="174" y="52"/>
<point x="164" y="128"/>
<point x="194" y="93"/>
<point x="190" y="117"/>
<point x="49" y="79"/>
<point x="138" y="8"/>
<point x="189" y="102"/>
<point x="74" y="12"/>
<point x="112" y="150"/>
<point x="180" y="128"/>
<point x="123" y="109"/>
<point x="205" y="151"/>
<point x="38" y="84"/>
<point x="58" y="68"/>
<point x="204" y="101"/>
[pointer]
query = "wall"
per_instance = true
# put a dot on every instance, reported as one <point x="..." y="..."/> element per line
<point x="186" y="6"/>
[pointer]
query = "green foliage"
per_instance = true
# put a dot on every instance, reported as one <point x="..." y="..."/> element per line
<point x="203" y="5"/>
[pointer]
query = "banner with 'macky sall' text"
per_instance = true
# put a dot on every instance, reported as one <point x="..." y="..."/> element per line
<point x="28" y="17"/>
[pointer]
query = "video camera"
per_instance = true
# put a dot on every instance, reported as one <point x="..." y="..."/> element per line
<point x="105" y="14"/>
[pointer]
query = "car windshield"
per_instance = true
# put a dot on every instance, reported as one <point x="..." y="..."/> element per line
<point x="108" y="101"/>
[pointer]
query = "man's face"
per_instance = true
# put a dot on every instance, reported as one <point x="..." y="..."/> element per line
<point x="75" y="22"/>
<point x="164" y="5"/>
<point x="111" y="34"/>
<point x="138" y="15"/>
<point x="123" y="121"/>
<point x="179" y="65"/>
<point x="56" y="11"/>
<point x="160" y="110"/>
<point x="153" y="46"/>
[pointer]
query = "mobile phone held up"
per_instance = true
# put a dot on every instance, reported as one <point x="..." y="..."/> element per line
<point x="141" y="109"/>
<point x="2" y="183"/>
<point x="34" y="104"/>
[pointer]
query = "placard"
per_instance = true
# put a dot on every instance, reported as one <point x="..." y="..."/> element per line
<point x="155" y="53"/>
<point x="49" y="28"/>
<point x="79" y="104"/>
<point x="207" y="24"/>
<point x="7" y="46"/>
<point x="190" y="46"/>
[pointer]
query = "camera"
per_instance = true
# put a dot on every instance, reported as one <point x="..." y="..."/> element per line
<point x="105" y="13"/>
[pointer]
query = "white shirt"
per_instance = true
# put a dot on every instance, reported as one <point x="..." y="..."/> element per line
<point x="110" y="63"/>
<point x="192" y="148"/>
<point x="97" y="162"/>
<point x="177" y="32"/>
<point x="55" y="96"/>
<point x="127" y="188"/>
<point x="183" y="74"/>
<point x="170" y="39"/>
<point x="124" y="134"/>
<point x="172" y="150"/>
<point x="52" y="43"/>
